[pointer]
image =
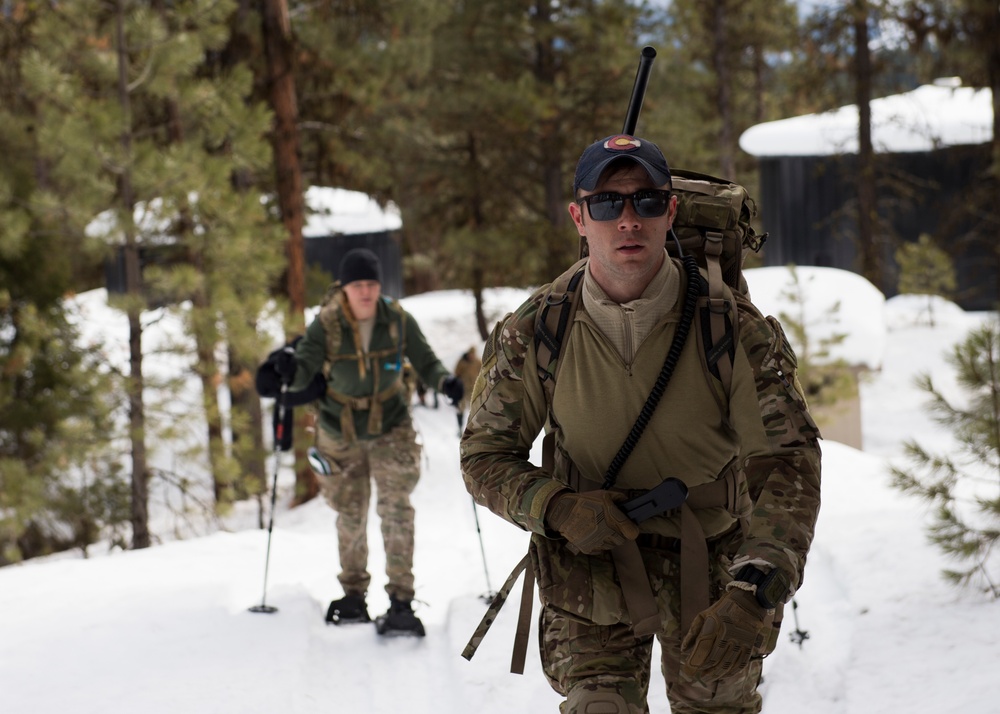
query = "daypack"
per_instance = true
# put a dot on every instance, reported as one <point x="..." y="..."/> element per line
<point x="710" y="207"/>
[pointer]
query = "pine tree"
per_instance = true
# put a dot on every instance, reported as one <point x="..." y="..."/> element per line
<point x="925" y="269"/>
<point x="60" y="484"/>
<point x="521" y="87"/>
<point x="169" y="136"/>
<point x="964" y="486"/>
<point x="715" y="78"/>
<point x="824" y="378"/>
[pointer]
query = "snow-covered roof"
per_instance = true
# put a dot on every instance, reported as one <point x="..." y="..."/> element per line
<point x="337" y="211"/>
<point x="930" y="117"/>
<point x="331" y="211"/>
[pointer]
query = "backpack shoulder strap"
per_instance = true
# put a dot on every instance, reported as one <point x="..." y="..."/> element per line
<point x="557" y="309"/>
<point x="718" y="323"/>
<point x="329" y="317"/>
<point x="397" y="328"/>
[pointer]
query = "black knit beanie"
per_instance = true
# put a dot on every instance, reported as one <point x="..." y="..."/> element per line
<point x="360" y="264"/>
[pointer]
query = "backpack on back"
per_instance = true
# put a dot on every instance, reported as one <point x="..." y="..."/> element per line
<point x="710" y="209"/>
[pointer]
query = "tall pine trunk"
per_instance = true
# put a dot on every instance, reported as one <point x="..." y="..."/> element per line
<point x="869" y="245"/>
<point x="723" y="90"/>
<point x="550" y="143"/>
<point x="992" y="27"/>
<point x="278" y="47"/>
<point x="133" y="286"/>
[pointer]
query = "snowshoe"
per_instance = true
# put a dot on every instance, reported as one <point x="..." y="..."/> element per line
<point x="348" y="610"/>
<point x="399" y="621"/>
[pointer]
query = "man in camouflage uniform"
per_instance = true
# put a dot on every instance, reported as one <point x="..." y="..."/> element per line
<point x="360" y="341"/>
<point x="708" y="579"/>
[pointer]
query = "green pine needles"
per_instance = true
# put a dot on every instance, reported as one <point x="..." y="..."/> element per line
<point x="825" y="379"/>
<point x="964" y="486"/>
<point x="925" y="269"/>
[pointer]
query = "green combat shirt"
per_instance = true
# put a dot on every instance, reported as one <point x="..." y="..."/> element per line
<point x="331" y="344"/>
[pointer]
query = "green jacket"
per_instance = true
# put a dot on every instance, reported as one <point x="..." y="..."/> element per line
<point x="365" y="393"/>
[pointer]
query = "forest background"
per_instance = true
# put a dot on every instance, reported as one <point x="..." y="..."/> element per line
<point x="194" y="126"/>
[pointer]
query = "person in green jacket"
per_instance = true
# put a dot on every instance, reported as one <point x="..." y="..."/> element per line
<point x="359" y="342"/>
<point x="706" y="578"/>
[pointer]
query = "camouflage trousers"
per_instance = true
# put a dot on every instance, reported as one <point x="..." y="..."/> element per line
<point x="579" y="657"/>
<point x="392" y="461"/>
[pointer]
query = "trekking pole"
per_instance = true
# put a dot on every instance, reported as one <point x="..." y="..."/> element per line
<point x="490" y="592"/>
<point x="279" y="434"/>
<point x="638" y="90"/>
<point x="799" y="635"/>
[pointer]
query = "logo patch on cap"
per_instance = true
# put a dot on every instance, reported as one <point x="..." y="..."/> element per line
<point x="622" y="142"/>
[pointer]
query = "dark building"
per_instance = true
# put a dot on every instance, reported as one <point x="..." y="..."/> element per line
<point x="337" y="220"/>
<point x="932" y="147"/>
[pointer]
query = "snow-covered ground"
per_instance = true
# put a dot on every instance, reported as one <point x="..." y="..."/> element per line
<point x="167" y="629"/>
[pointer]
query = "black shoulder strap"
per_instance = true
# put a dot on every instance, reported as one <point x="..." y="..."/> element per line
<point x="556" y="314"/>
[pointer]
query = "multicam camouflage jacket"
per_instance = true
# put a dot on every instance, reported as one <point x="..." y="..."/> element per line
<point x="763" y="428"/>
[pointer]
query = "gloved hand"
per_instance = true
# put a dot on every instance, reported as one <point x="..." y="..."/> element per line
<point x="723" y="637"/>
<point x="591" y="521"/>
<point x="452" y="387"/>
<point x="267" y="381"/>
<point x="284" y="363"/>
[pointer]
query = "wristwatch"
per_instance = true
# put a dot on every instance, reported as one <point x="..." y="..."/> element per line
<point x="772" y="587"/>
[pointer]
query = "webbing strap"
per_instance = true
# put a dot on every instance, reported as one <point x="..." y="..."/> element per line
<point x="498" y="602"/>
<point x="373" y="404"/>
<point x="718" y="306"/>
<point x="694" y="567"/>
<point x="720" y="493"/>
<point x="639" y="600"/>
<point x="520" y="651"/>
<point x="549" y="452"/>
<point x="557" y="311"/>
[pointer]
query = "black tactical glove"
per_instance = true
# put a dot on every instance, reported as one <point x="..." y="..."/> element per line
<point x="277" y="371"/>
<point x="452" y="387"/>
<point x="591" y="521"/>
<point x="267" y="381"/>
<point x="723" y="637"/>
<point x="284" y="363"/>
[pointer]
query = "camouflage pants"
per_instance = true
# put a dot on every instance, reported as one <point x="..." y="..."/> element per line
<point x="392" y="460"/>
<point x="582" y="656"/>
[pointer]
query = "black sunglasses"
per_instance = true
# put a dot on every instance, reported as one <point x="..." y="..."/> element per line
<point x="607" y="206"/>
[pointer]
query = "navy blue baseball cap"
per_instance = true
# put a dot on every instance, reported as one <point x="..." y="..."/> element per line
<point x="600" y="154"/>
